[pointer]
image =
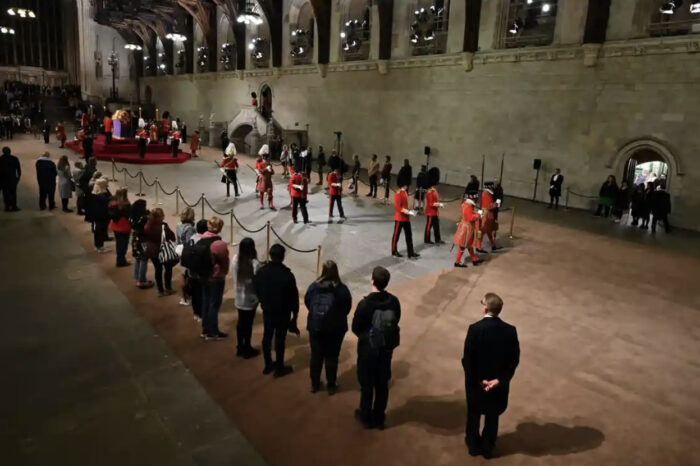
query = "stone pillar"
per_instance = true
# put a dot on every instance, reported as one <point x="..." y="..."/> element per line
<point x="490" y="23"/>
<point x="286" y="39"/>
<point x="455" y="33"/>
<point x="336" y="19"/>
<point x="374" y="33"/>
<point x="628" y="20"/>
<point x="403" y="17"/>
<point x="571" y="21"/>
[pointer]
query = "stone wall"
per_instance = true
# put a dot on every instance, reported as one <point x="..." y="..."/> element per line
<point x="524" y="104"/>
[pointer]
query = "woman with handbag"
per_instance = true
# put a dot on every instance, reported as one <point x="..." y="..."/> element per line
<point x="160" y="249"/>
<point x="65" y="182"/>
<point x="119" y="210"/>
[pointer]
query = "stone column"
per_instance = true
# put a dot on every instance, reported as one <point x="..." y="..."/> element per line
<point x="374" y="33"/>
<point x="491" y="22"/>
<point x="455" y="33"/>
<point x="571" y="21"/>
<point x="336" y="19"/>
<point x="403" y="17"/>
<point x="286" y="31"/>
<point x="628" y="20"/>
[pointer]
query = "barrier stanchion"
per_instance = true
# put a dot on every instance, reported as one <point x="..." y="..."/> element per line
<point x="318" y="261"/>
<point x="202" y="199"/>
<point x="231" y="223"/>
<point x="140" y="193"/>
<point x="566" y="202"/>
<point x="177" y="200"/>
<point x="156" y="188"/>
<point x="267" y="244"/>
<point x="113" y="179"/>
<point x="512" y="222"/>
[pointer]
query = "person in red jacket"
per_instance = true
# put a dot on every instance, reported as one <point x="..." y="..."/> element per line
<point x="164" y="128"/>
<point x="265" y="171"/>
<point x="298" y="189"/>
<point x="107" y="122"/>
<point x="466" y="230"/>
<point x="335" y="192"/>
<point x="194" y="144"/>
<point x="230" y="168"/>
<point x="432" y="204"/>
<point x="175" y="139"/>
<point x="61" y="133"/>
<point x="119" y="211"/>
<point x="402" y="215"/>
<point x="488" y="219"/>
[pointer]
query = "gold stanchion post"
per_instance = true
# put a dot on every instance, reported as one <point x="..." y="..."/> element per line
<point x="126" y="181"/>
<point x="202" y="199"/>
<point x="140" y="193"/>
<point x="512" y="222"/>
<point x="113" y="174"/>
<point x="230" y="217"/>
<point x="267" y="247"/>
<point x="177" y="200"/>
<point x="318" y="261"/>
<point x="155" y="185"/>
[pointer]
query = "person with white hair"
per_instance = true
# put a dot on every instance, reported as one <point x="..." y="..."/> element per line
<point x="175" y="138"/>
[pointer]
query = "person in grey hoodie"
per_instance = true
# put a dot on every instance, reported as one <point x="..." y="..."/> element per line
<point x="244" y="266"/>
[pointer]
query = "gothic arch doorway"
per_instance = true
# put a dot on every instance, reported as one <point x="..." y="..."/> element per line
<point x="646" y="166"/>
<point x="265" y="101"/>
<point x="651" y="155"/>
<point x="240" y="137"/>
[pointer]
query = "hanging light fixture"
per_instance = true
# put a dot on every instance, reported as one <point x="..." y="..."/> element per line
<point x="6" y="30"/>
<point x="670" y="7"/>
<point x="133" y="47"/>
<point x="695" y="7"/>
<point x="249" y="15"/>
<point x="21" y="12"/>
<point x="175" y="37"/>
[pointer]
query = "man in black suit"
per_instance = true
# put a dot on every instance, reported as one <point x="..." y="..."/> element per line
<point x="660" y="208"/>
<point x="491" y="354"/>
<point x="10" y="173"/>
<point x="46" y="178"/>
<point x="555" y="183"/>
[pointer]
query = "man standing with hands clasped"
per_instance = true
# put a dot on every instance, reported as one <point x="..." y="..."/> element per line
<point x="491" y="354"/>
<point x="555" y="188"/>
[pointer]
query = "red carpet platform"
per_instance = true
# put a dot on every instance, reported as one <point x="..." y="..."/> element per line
<point x="126" y="151"/>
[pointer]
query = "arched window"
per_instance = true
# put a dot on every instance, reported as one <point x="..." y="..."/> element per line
<point x="301" y="32"/>
<point x="259" y="40"/>
<point x="161" y="65"/>
<point x="674" y="18"/>
<point x="226" y="41"/>
<point x="529" y="23"/>
<point x="355" y="31"/>
<point x="428" y="27"/>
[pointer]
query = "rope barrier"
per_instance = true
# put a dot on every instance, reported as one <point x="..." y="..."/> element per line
<point x="187" y="203"/>
<point x="303" y="251"/>
<point x="147" y="183"/>
<point x="243" y="227"/>
<point x="165" y="192"/>
<point x="216" y="211"/>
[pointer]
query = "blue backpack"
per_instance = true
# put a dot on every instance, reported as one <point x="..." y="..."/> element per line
<point x="321" y="306"/>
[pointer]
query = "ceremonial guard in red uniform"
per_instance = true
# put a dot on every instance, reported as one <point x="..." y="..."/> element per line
<point x="61" y="133"/>
<point x="265" y="172"/>
<point x="107" y="122"/>
<point x="432" y="204"/>
<point x="81" y="138"/>
<point x="402" y="215"/>
<point x="299" y="189"/>
<point x="230" y="168"/>
<point x="335" y="193"/>
<point x="164" y="128"/>
<point x="194" y="144"/>
<point x="175" y="139"/>
<point x="488" y="219"/>
<point x="142" y="138"/>
<point x="466" y="230"/>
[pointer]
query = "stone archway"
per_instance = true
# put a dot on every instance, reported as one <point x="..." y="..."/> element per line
<point x="241" y="137"/>
<point x="648" y="149"/>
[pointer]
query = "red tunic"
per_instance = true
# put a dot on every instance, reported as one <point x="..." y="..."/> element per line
<point x="84" y="119"/>
<point x="400" y="203"/>
<point x="61" y="133"/>
<point x="229" y="164"/>
<point x="334" y="190"/>
<point x="165" y="125"/>
<point x="431" y="198"/>
<point x="140" y="132"/>
<point x="298" y="179"/>
<point x="175" y="135"/>
<point x="108" y="124"/>
<point x="464" y="237"/>
<point x="265" y="178"/>
<point x="154" y="133"/>
<point x="488" y="222"/>
<point x="194" y="143"/>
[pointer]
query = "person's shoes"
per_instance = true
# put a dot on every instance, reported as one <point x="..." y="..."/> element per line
<point x="307" y="222"/>
<point x="238" y="195"/>
<point x="362" y="420"/>
<point x="496" y="248"/>
<point x="428" y="242"/>
<point x="221" y="335"/>
<point x="273" y="207"/>
<point x="161" y="294"/>
<point x="102" y="250"/>
<point x="415" y="255"/>
<point x="42" y="208"/>
<point x="439" y="242"/>
<point x="169" y="292"/>
<point x="473" y="451"/>
<point x="52" y="208"/>
<point x="368" y="195"/>
<point x="109" y="239"/>
<point x="481" y="251"/>
<point x="125" y="264"/>
<point x="477" y="262"/>
<point x="184" y="302"/>
<point x="330" y="220"/>
<point x="250" y="352"/>
<point x="296" y="221"/>
<point x="396" y="254"/>
<point x="146" y="285"/>
<point x="68" y="211"/>
<point x="316" y="387"/>
<point x="461" y="266"/>
<point x="282" y="371"/>
<point x="378" y="425"/>
<point x="15" y="209"/>
<point x="262" y="207"/>
<point x="488" y="454"/>
<point x="332" y="389"/>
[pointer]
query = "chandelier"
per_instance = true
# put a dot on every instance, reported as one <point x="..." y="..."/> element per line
<point x="133" y="47"/>
<point x="21" y="12"/>
<point x="202" y="53"/>
<point x="249" y="15"/>
<point x="6" y="30"/>
<point x="226" y="55"/>
<point x="113" y="59"/>
<point x="175" y="37"/>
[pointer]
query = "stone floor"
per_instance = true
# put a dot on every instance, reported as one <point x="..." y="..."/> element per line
<point x="608" y="320"/>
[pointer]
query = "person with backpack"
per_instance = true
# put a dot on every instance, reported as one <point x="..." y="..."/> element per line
<point x="329" y="302"/>
<point x="212" y="274"/>
<point x="276" y="288"/>
<point x="376" y="324"/>
<point x="194" y="283"/>
<point x="243" y="267"/>
<point x="183" y="235"/>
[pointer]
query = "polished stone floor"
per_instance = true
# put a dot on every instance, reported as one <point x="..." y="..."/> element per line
<point x="608" y="319"/>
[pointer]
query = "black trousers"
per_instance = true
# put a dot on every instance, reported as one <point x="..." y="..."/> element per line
<point x="320" y="175"/>
<point x="87" y="153"/>
<point x="406" y="227"/>
<point x="485" y="440"/>
<point x="158" y="266"/>
<point x="142" y="148"/>
<point x="554" y="201"/>
<point x="231" y="179"/>
<point x="336" y="199"/>
<point x="602" y="209"/>
<point x="244" y="328"/>
<point x="373" y="186"/>
<point x="387" y="185"/>
<point x="299" y="203"/>
<point x="9" y="195"/>
<point x="99" y="233"/>
<point x="195" y="285"/>
<point x="660" y="218"/>
<point x="432" y="223"/>
<point x="278" y="331"/>
<point x="108" y="137"/>
<point x="47" y="192"/>
<point x="325" y="348"/>
<point x="46" y="137"/>
<point x="373" y="373"/>
<point x="121" y="241"/>
<point x="175" y="145"/>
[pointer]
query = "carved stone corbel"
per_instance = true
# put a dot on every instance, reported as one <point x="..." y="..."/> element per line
<point x="590" y="54"/>
<point x="322" y="69"/>
<point x="468" y="61"/>
<point x="383" y="67"/>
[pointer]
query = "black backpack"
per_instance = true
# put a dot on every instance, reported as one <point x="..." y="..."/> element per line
<point x="197" y="257"/>
<point x="385" y="334"/>
<point x="321" y="306"/>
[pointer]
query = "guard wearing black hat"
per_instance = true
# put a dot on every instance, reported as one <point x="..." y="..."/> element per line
<point x="402" y="215"/>
<point x="432" y="204"/>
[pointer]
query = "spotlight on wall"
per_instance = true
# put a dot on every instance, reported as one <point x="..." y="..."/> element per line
<point x="21" y="12"/>
<point x="546" y="8"/>
<point x="695" y="7"/>
<point x="6" y="30"/>
<point x="133" y="47"/>
<point x="670" y="7"/>
<point x="176" y="37"/>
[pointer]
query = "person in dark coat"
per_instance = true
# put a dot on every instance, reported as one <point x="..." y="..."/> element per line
<point x="491" y="354"/>
<point x="10" y="173"/>
<point x="87" y="146"/>
<point x="622" y="201"/>
<point x="276" y="288"/>
<point x="99" y="214"/>
<point x="606" y="197"/>
<point x="472" y="188"/>
<point x="660" y="208"/>
<point x="555" y="183"/>
<point x="334" y="161"/>
<point x="46" y="131"/>
<point x="646" y="211"/>
<point x="329" y="302"/>
<point x="46" y="178"/>
<point x="638" y="203"/>
<point x="224" y="142"/>
<point x="321" y="162"/>
<point x="373" y="367"/>
<point x="421" y="188"/>
<point x="405" y="172"/>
